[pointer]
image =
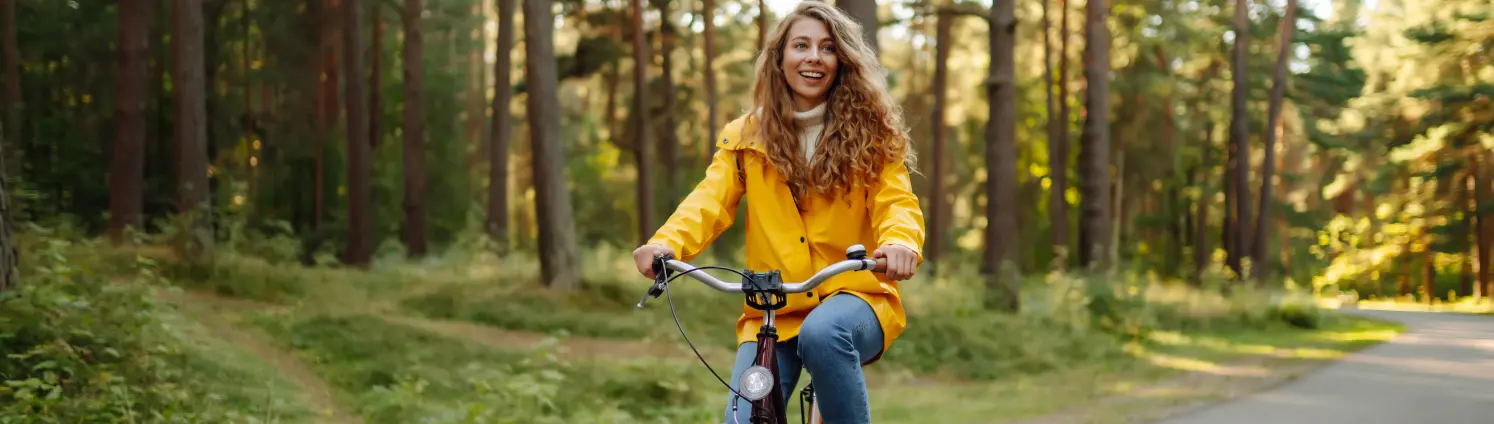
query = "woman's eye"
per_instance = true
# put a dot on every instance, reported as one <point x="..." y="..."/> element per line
<point x="800" y="45"/>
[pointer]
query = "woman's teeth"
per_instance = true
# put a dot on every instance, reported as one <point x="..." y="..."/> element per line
<point x="812" y="75"/>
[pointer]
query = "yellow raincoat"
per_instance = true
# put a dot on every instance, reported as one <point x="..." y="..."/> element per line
<point x="780" y="238"/>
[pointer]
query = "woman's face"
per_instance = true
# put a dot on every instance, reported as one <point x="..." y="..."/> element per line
<point x="809" y="62"/>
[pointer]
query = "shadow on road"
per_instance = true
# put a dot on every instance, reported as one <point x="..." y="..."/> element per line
<point x="1439" y="371"/>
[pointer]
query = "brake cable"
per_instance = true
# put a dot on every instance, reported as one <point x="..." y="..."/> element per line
<point x="664" y="276"/>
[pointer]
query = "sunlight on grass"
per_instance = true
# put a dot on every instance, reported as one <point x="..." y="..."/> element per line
<point x="1181" y="363"/>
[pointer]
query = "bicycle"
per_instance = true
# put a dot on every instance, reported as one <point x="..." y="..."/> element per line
<point x="764" y="291"/>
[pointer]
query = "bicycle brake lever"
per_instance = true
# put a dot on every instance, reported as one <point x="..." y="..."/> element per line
<point x="660" y="279"/>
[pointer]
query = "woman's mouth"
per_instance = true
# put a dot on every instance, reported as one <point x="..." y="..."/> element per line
<point x="812" y="76"/>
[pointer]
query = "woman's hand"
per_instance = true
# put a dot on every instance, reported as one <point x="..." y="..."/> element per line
<point x="644" y="256"/>
<point x="901" y="261"/>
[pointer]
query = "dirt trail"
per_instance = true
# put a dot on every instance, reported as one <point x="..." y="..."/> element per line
<point x="211" y="311"/>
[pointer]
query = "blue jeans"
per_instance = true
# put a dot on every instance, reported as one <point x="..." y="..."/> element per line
<point x="835" y="339"/>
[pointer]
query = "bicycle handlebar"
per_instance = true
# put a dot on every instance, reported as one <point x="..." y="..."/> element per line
<point x="874" y="265"/>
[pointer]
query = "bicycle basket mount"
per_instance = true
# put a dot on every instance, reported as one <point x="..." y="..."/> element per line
<point x="764" y="290"/>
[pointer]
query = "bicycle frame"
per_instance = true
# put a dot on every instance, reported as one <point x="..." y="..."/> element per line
<point x="764" y="291"/>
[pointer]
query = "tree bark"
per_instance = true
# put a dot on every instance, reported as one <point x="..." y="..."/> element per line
<point x="1058" y="143"/>
<point x="865" y="13"/>
<point x="1469" y="209"/>
<point x="1201" y="257"/>
<point x="1239" y="137"/>
<point x="10" y="274"/>
<point x="1060" y="157"/>
<point x="934" y="245"/>
<point x="360" y="228"/>
<point x="376" y="79"/>
<point x="642" y="149"/>
<point x="498" y="149"/>
<point x="127" y="167"/>
<point x="327" y="94"/>
<point x="14" y="105"/>
<point x="709" y="10"/>
<point x="191" y="125"/>
<point x="416" y="229"/>
<point x="1095" y="163"/>
<point x="1278" y="90"/>
<point x="1001" y="156"/>
<point x="1483" y="192"/>
<point x="762" y="24"/>
<point x="557" y="227"/>
<point x="669" y="140"/>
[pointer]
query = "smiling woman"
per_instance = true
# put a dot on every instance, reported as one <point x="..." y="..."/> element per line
<point x="824" y="157"/>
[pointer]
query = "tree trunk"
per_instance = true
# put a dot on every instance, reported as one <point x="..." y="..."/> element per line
<point x="865" y="13"/>
<point x="934" y="246"/>
<point x="639" y="117"/>
<point x="1466" y="203"/>
<point x="1483" y="193"/>
<point x="376" y="79"/>
<point x="1240" y="136"/>
<point x="127" y="167"/>
<point x="1058" y="143"/>
<point x="1001" y="157"/>
<point x="1278" y="89"/>
<point x="557" y="226"/>
<point x="416" y="231"/>
<point x="1061" y="234"/>
<point x="762" y="24"/>
<point x="191" y="129"/>
<point x="709" y="11"/>
<point x="10" y="274"/>
<point x="328" y="112"/>
<point x="669" y="140"/>
<point x="360" y="228"/>
<point x="14" y="106"/>
<point x="1095" y="166"/>
<point x="1201" y="257"/>
<point x="498" y="149"/>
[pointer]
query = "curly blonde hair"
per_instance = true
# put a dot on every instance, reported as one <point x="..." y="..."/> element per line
<point x="863" y="125"/>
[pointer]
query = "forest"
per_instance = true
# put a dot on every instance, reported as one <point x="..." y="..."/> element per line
<point x="422" y="210"/>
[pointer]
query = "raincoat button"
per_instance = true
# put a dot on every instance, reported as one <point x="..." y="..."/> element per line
<point x="801" y="239"/>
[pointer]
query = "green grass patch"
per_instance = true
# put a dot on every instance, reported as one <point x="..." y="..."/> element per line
<point x="396" y="374"/>
<point x="82" y="345"/>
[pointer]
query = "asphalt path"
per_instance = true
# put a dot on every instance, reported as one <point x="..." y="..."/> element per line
<point x="1440" y="371"/>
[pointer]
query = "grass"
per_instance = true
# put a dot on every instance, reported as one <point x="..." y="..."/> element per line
<point x="396" y="374"/>
<point x="1084" y="345"/>
<point x="230" y="380"/>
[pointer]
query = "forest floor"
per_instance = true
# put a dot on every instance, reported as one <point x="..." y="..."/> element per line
<point x="1187" y="370"/>
<point x="441" y="341"/>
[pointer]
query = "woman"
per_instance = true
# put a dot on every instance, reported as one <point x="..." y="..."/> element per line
<point x="824" y="160"/>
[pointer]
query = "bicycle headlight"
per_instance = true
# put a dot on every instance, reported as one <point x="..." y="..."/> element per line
<point x="756" y="383"/>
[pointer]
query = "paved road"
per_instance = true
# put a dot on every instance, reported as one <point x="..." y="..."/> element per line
<point x="1441" y="370"/>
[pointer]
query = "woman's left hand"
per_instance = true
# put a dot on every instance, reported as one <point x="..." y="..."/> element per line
<point x="901" y="261"/>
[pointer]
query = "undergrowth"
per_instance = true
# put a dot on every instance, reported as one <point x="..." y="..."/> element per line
<point x="82" y="345"/>
<point x="396" y="374"/>
<point x="1065" y="317"/>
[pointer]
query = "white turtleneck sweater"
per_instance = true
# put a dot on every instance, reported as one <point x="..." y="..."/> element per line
<point x="811" y="124"/>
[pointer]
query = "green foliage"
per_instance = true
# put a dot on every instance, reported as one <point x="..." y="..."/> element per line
<point x="82" y="348"/>
<point x="396" y="374"/>
<point x="581" y="314"/>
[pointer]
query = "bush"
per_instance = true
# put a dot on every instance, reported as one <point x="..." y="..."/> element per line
<point x="1299" y="313"/>
<point x="80" y="348"/>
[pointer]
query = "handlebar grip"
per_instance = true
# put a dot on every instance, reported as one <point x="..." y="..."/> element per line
<point x="881" y="265"/>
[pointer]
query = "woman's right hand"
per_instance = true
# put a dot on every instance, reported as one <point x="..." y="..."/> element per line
<point x="644" y="256"/>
